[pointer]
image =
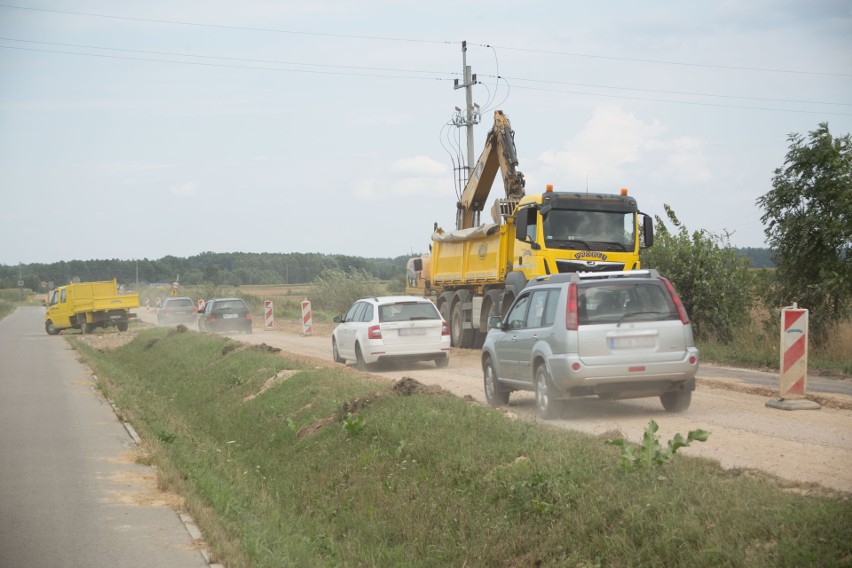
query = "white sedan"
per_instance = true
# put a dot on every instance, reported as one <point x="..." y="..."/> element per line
<point x="386" y="328"/>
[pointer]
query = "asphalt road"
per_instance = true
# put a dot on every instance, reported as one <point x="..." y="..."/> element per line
<point x="71" y="494"/>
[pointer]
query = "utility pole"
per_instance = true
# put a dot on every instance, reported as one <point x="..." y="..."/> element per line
<point x="470" y="117"/>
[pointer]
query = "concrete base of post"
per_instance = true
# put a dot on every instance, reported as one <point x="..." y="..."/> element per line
<point x="793" y="404"/>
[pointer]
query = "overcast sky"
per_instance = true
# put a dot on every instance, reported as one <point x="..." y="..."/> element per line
<point x="144" y="129"/>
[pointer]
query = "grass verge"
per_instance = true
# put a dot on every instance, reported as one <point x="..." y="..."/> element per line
<point x="288" y="462"/>
<point x="757" y="345"/>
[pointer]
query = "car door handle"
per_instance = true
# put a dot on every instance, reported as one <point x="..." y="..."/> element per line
<point x="535" y="337"/>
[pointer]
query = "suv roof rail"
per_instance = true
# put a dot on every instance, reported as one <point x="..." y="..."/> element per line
<point x="580" y="276"/>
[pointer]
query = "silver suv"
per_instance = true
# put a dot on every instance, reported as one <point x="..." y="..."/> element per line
<point x="612" y="334"/>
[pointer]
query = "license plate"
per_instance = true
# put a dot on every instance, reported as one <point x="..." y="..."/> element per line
<point x="230" y="316"/>
<point x="406" y="331"/>
<point x="631" y="342"/>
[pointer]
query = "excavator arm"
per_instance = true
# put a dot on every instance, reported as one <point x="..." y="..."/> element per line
<point x="499" y="153"/>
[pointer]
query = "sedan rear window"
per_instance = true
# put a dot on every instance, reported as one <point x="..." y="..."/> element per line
<point x="407" y="311"/>
<point x="183" y="303"/>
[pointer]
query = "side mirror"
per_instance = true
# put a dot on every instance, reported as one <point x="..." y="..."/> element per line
<point x="338" y="319"/>
<point x="495" y="322"/>
<point x="648" y="230"/>
<point x="521" y="222"/>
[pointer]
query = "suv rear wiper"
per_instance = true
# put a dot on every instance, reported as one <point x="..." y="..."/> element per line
<point x="626" y="314"/>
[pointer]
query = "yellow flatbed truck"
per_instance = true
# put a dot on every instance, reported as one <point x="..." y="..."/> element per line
<point x="87" y="305"/>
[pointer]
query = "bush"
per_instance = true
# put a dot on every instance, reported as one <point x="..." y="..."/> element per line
<point x="335" y="290"/>
<point x="711" y="278"/>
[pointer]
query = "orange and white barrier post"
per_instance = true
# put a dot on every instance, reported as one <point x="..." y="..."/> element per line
<point x="267" y="314"/>
<point x="307" y="323"/>
<point x="794" y="361"/>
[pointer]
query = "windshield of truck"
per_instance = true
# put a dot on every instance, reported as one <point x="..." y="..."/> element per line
<point x="587" y="230"/>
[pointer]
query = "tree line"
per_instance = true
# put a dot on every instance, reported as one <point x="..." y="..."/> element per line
<point x="232" y="269"/>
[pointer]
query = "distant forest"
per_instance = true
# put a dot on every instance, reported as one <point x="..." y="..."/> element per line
<point x="235" y="269"/>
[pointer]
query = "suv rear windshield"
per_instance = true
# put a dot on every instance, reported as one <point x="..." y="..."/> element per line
<point x="608" y="302"/>
<point x="406" y="311"/>
<point x="230" y="305"/>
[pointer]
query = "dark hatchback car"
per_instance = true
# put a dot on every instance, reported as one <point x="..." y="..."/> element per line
<point x="176" y="310"/>
<point x="225" y="315"/>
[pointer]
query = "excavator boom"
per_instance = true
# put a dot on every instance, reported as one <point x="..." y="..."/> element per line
<point x="499" y="153"/>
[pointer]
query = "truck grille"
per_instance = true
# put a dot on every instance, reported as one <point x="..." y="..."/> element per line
<point x="588" y="266"/>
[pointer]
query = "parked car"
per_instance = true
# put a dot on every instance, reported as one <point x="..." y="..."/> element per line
<point x="175" y="310"/>
<point x="391" y="328"/>
<point x="225" y="315"/>
<point x="616" y="335"/>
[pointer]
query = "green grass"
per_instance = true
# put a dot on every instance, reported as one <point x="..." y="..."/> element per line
<point x="757" y="345"/>
<point x="332" y="468"/>
<point x="6" y="308"/>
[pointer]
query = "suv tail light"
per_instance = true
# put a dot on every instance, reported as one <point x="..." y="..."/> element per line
<point x="248" y="316"/>
<point x="572" y="316"/>
<point x="445" y="328"/>
<point x="681" y="311"/>
<point x="374" y="332"/>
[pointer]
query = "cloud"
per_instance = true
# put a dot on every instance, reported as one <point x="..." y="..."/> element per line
<point x="615" y="147"/>
<point x="416" y="175"/>
<point x="418" y="166"/>
<point x="185" y="189"/>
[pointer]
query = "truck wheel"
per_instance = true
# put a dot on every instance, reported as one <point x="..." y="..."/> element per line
<point x="122" y="326"/>
<point x="495" y="393"/>
<point x="676" y="401"/>
<point x="85" y="327"/>
<point x="547" y="407"/>
<point x="445" y="300"/>
<point x="50" y="328"/>
<point x="460" y="336"/>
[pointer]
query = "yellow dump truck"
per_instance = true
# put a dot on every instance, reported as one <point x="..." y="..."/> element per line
<point x="477" y="270"/>
<point x="87" y="305"/>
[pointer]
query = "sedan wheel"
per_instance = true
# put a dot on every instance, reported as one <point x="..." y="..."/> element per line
<point x="335" y="353"/>
<point x="360" y="364"/>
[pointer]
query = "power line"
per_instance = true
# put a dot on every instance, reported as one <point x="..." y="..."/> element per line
<point x="694" y="103"/>
<point x="221" y="26"/>
<point x="383" y="69"/>
<point x="664" y="62"/>
<point x="687" y="93"/>
<point x="223" y="58"/>
<point x="396" y="76"/>
<point x="429" y="41"/>
<point x="223" y="65"/>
